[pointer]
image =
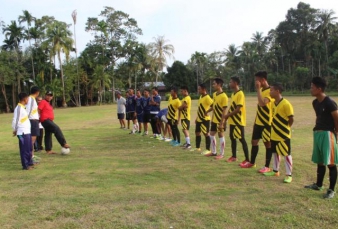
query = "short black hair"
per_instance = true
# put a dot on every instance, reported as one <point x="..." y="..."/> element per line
<point x="22" y="96"/>
<point x="34" y="89"/>
<point x="278" y="86"/>
<point x="219" y="81"/>
<point x="174" y="89"/>
<point x="155" y="88"/>
<point x="146" y="89"/>
<point x="319" y="82"/>
<point x="202" y="85"/>
<point x="262" y="74"/>
<point x="236" y="79"/>
<point x="184" y="88"/>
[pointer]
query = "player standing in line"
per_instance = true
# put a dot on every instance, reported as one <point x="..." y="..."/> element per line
<point x="203" y="119"/>
<point x="282" y="121"/>
<point x="237" y="120"/>
<point x="139" y="111"/>
<point x="185" y="110"/>
<point x="173" y="117"/>
<point x="38" y="143"/>
<point x="155" y="103"/>
<point x="146" y="111"/>
<point x="218" y="125"/>
<point x="324" y="137"/>
<point x="131" y="110"/>
<point x="162" y="125"/>
<point x="121" y="109"/>
<point x="262" y="126"/>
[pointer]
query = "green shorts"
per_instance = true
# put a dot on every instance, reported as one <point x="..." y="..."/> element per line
<point x="324" y="148"/>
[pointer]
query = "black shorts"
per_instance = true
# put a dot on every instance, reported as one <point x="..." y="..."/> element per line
<point x="35" y="129"/>
<point x="261" y="132"/>
<point x="140" y="118"/>
<point x="146" y="118"/>
<point x="185" y="124"/>
<point x="236" y="132"/>
<point x="130" y="115"/>
<point x="214" y="127"/>
<point x="203" y="127"/>
<point x="120" y="116"/>
<point x="282" y="148"/>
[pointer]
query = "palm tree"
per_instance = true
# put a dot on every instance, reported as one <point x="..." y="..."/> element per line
<point x="74" y="15"/>
<point x="231" y="57"/>
<point x="160" y="50"/>
<point x="59" y="36"/>
<point x="27" y="17"/>
<point x="259" y="42"/>
<point x="101" y="80"/>
<point x="199" y="61"/>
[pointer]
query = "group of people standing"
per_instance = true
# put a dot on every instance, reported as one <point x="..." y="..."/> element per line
<point x="273" y="121"/>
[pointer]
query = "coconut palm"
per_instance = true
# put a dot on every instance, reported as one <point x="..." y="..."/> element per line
<point x="199" y="61"/>
<point x="101" y="80"/>
<point x="74" y="16"/>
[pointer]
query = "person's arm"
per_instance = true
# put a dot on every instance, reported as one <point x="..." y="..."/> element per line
<point x="223" y="120"/>
<point x="335" y="119"/>
<point x="209" y="110"/>
<point x="290" y="121"/>
<point x="261" y="101"/>
<point x="15" y="121"/>
<point x="183" y="106"/>
<point x="229" y="114"/>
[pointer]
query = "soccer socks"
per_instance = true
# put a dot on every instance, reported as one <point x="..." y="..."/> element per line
<point x="333" y="176"/>
<point x="268" y="156"/>
<point x="234" y="147"/>
<point x="187" y="139"/>
<point x="198" y="141"/>
<point x="178" y="135"/>
<point x="254" y="152"/>
<point x="221" y="145"/>
<point x="276" y="162"/>
<point x="213" y="144"/>
<point x="321" y="169"/>
<point x="245" y="148"/>
<point x="288" y="165"/>
<point x="207" y="142"/>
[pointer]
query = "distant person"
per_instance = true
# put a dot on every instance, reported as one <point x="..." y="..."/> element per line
<point x="324" y="137"/>
<point x="139" y="111"/>
<point x="121" y="109"/>
<point x="162" y="125"/>
<point x="146" y="111"/>
<point x="173" y="117"/>
<point x="185" y="110"/>
<point x="47" y="121"/>
<point x="22" y="129"/>
<point x="155" y="103"/>
<point x="131" y="111"/>
<point x="39" y="139"/>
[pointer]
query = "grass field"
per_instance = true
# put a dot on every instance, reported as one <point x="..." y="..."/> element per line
<point x="114" y="180"/>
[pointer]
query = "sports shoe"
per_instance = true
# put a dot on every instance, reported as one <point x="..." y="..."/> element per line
<point x="173" y="142"/>
<point x="288" y="179"/>
<point x="158" y="137"/>
<point x="36" y="159"/>
<point x="145" y="134"/>
<point x="314" y="186"/>
<point x="206" y="152"/>
<point x="184" y="145"/>
<point x="264" y="170"/>
<point x="188" y="146"/>
<point x="248" y="165"/>
<point x="176" y="144"/>
<point x="243" y="162"/>
<point x="219" y="157"/>
<point x="232" y="159"/>
<point x="195" y="149"/>
<point x="210" y="154"/>
<point x="329" y="194"/>
<point x="161" y="138"/>
<point x="271" y="174"/>
<point x="167" y="140"/>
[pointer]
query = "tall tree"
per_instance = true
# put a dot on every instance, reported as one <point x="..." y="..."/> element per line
<point x="78" y="101"/>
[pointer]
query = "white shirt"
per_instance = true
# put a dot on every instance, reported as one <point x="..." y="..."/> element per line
<point x="121" y="105"/>
<point x="32" y="108"/>
<point x="21" y="123"/>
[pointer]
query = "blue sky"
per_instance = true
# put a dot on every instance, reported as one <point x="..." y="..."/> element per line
<point x="190" y="25"/>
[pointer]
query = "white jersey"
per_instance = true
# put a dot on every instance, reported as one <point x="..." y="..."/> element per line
<point x="21" y="123"/>
<point x="32" y="108"/>
<point x="121" y="105"/>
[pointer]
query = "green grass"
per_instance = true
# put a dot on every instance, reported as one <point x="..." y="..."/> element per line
<point x="114" y="180"/>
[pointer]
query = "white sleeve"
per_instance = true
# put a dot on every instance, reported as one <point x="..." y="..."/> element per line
<point x="16" y="117"/>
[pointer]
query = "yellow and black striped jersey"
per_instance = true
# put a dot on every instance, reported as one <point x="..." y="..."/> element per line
<point x="185" y="114"/>
<point x="264" y="114"/>
<point x="173" y="106"/>
<point x="238" y="99"/>
<point x="220" y="102"/>
<point x="204" y="103"/>
<point x="280" y="129"/>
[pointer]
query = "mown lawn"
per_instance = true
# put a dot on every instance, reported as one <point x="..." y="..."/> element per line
<point x="114" y="180"/>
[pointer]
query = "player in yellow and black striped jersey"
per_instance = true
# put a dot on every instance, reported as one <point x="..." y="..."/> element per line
<point x="219" y="109"/>
<point x="237" y="120"/>
<point x="281" y="132"/>
<point x="203" y="119"/>
<point x="185" y="110"/>
<point x="262" y="126"/>
<point x="173" y="116"/>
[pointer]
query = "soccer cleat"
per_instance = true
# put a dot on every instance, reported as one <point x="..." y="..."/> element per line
<point x="158" y="137"/>
<point x="167" y="140"/>
<point x="176" y="144"/>
<point x="264" y="170"/>
<point x="195" y="149"/>
<point x="314" y="186"/>
<point x="248" y="165"/>
<point x="243" y="162"/>
<point x="232" y="159"/>
<point x="206" y="152"/>
<point x="161" y="138"/>
<point x="329" y="194"/>
<point x="172" y="142"/>
<point x="210" y="154"/>
<point x="288" y="179"/>
<point x="219" y="157"/>
<point x="184" y="145"/>
<point x="188" y="146"/>
<point x="271" y="174"/>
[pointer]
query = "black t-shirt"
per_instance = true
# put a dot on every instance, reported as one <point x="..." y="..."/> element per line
<point x="324" y="120"/>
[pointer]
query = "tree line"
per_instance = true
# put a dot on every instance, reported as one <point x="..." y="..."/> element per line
<point x="303" y="45"/>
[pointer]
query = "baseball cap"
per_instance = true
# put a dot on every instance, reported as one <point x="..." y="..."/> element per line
<point x="49" y="93"/>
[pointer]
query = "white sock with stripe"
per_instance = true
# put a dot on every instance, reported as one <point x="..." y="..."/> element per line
<point x="221" y="145"/>
<point x="276" y="161"/>
<point x="288" y="165"/>
<point x="213" y="144"/>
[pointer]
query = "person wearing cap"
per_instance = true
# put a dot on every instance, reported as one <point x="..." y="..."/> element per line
<point x="121" y="109"/>
<point x="47" y="121"/>
<point x="33" y="115"/>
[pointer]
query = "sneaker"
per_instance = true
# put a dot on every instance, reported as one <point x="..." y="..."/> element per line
<point x="206" y="152"/>
<point x="153" y="136"/>
<point x="271" y="174"/>
<point x="145" y="134"/>
<point x="195" y="149"/>
<point x="248" y="165"/>
<point x="329" y="194"/>
<point x="167" y="140"/>
<point x="243" y="162"/>
<point x="131" y="132"/>
<point x="158" y="137"/>
<point x="210" y="154"/>
<point x="172" y="142"/>
<point x="188" y="146"/>
<point x="176" y="144"/>
<point x="288" y="179"/>
<point x="232" y="159"/>
<point x="161" y="138"/>
<point x="36" y="159"/>
<point x="219" y="157"/>
<point x="314" y="186"/>
<point x="184" y="145"/>
<point x="264" y="170"/>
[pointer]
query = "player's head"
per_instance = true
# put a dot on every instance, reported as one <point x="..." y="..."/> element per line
<point x="217" y="83"/>
<point x="39" y="99"/>
<point x="35" y="91"/>
<point x="318" y="85"/>
<point x="184" y="90"/>
<point x="154" y="91"/>
<point x="49" y="96"/>
<point x="23" y="98"/>
<point x="138" y="93"/>
<point x="173" y="92"/>
<point x="234" y="82"/>
<point x="276" y="89"/>
<point x="146" y="93"/>
<point x="262" y="77"/>
<point x="131" y="92"/>
<point x="202" y="89"/>
<point x="118" y="94"/>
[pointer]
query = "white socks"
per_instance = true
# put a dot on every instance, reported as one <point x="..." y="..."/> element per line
<point x="213" y="144"/>
<point x="221" y="145"/>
